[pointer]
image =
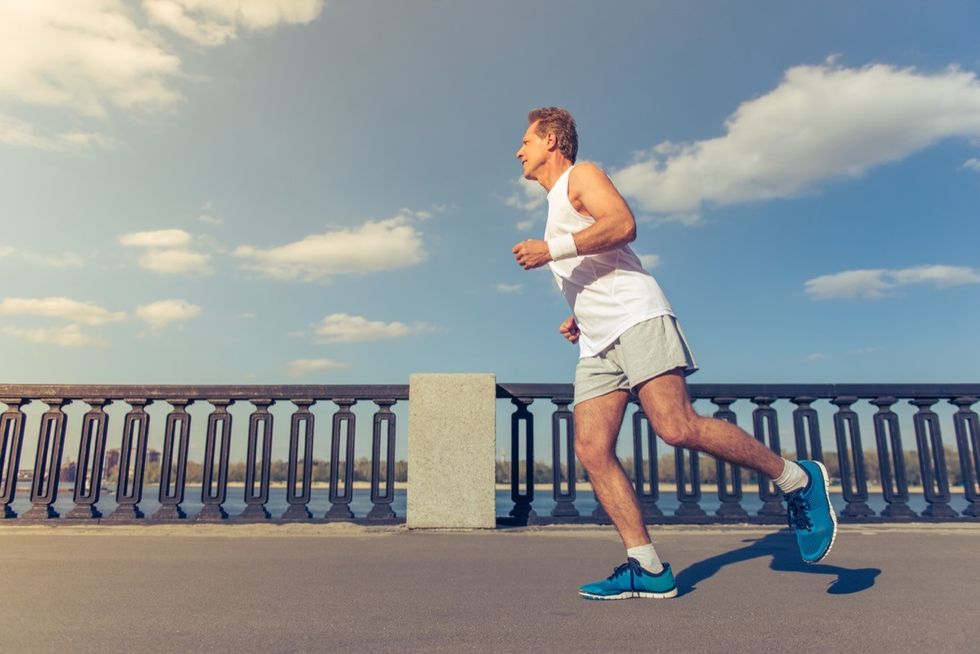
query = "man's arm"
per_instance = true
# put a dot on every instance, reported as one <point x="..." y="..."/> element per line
<point x="591" y="193"/>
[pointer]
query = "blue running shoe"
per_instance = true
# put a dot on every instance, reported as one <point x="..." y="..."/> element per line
<point x="810" y="515"/>
<point x="632" y="580"/>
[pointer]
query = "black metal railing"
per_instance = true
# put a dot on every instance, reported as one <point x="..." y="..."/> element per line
<point x="132" y="454"/>
<point x="849" y="469"/>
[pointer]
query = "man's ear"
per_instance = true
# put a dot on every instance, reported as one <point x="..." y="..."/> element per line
<point x="552" y="141"/>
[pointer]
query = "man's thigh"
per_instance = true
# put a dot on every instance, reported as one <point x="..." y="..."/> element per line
<point x="599" y="419"/>
<point x="665" y="400"/>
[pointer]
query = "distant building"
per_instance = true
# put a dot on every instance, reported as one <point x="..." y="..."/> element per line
<point x="111" y="461"/>
<point x="68" y="472"/>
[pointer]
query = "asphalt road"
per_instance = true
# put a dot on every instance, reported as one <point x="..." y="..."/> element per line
<point x="336" y="588"/>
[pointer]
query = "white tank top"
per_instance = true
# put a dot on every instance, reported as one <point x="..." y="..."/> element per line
<point x="608" y="292"/>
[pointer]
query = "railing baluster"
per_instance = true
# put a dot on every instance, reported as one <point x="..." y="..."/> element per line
<point x="522" y="511"/>
<point x="891" y="461"/>
<point x="564" y="501"/>
<point x="806" y="427"/>
<point x="688" y="507"/>
<point x="255" y="502"/>
<point x="932" y="461"/>
<point x="173" y="478"/>
<point x="47" y="465"/>
<point x="214" y="495"/>
<point x="381" y="502"/>
<point x="12" y="433"/>
<point x="91" y="456"/>
<point x="340" y="499"/>
<point x="764" y="421"/>
<point x="731" y="501"/>
<point x="302" y="422"/>
<point x="648" y="498"/>
<point x="968" y="447"/>
<point x="850" y="455"/>
<point x="129" y="486"/>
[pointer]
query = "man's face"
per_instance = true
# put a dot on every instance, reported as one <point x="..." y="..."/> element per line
<point x="533" y="152"/>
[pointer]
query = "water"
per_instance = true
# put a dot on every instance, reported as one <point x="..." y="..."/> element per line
<point x="361" y="504"/>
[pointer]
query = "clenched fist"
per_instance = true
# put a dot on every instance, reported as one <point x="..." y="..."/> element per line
<point x="569" y="329"/>
<point x="531" y="254"/>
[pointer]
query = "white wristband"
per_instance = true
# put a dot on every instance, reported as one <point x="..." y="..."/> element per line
<point x="562" y="247"/>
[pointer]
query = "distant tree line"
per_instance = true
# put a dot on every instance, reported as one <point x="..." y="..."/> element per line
<point x="666" y="469"/>
<point x="279" y="470"/>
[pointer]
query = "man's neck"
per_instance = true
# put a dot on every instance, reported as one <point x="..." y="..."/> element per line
<point x="552" y="170"/>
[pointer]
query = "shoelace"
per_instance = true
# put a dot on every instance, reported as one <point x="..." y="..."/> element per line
<point x="798" y="515"/>
<point x="631" y="564"/>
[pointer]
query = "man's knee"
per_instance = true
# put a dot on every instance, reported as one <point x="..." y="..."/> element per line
<point x="678" y="430"/>
<point x="592" y="452"/>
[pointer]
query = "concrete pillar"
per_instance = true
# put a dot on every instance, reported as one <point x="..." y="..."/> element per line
<point x="452" y="436"/>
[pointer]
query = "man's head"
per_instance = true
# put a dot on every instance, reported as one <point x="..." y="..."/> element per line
<point x="550" y="130"/>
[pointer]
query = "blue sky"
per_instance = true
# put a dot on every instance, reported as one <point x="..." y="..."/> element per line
<point x="236" y="192"/>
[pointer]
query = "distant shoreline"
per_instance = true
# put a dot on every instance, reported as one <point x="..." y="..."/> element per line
<point x="707" y="490"/>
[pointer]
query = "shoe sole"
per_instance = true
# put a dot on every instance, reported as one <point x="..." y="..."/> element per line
<point x="833" y="514"/>
<point x="631" y="594"/>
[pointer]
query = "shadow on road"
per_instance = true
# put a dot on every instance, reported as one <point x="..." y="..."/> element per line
<point x="781" y="546"/>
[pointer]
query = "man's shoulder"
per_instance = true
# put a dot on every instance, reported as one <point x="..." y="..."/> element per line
<point x="585" y="174"/>
<point x="586" y="169"/>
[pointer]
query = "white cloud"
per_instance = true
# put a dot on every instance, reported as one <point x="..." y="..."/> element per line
<point x="344" y="328"/>
<point x="212" y="22"/>
<point x="61" y="260"/>
<point x="304" y="367"/>
<point x="649" y="260"/>
<point x="821" y="122"/>
<point x="972" y="164"/>
<point x="816" y="356"/>
<point x="176" y="262"/>
<point x="60" y="307"/>
<point x="14" y="131"/>
<point x="161" y="238"/>
<point x="67" y="336"/>
<point x="509" y="289"/>
<point x="207" y="215"/>
<point x="528" y="195"/>
<point x="91" y="57"/>
<point x="83" y="55"/>
<point x="372" y="247"/>
<point x="167" y="252"/>
<point x="526" y="225"/>
<point x="160" y="314"/>
<point x="877" y="283"/>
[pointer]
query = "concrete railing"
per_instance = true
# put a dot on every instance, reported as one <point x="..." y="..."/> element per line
<point x="452" y="437"/>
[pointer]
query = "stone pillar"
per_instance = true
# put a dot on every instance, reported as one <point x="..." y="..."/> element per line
<point x="452" y="437"/>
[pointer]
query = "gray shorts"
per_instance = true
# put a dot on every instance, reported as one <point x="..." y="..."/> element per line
<point x="643" y="351"/>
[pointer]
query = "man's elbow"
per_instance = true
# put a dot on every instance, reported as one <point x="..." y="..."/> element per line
<point x="630" y="234"/>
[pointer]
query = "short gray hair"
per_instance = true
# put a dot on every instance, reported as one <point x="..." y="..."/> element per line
<point x="559" y="122"/>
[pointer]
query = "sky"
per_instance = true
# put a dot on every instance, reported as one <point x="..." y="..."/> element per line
<point x="297" y="191"/>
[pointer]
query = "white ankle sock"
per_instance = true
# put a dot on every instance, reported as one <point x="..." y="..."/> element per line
<point x="647" y="556"/>
<point x="793" y="477"/>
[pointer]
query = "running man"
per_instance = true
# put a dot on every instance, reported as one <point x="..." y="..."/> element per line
<point x="629" y="340"/>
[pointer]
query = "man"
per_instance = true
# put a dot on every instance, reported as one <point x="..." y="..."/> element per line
<point x="629" y="340"/>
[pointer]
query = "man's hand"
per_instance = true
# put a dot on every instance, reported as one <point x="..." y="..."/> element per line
<point x="531" y="254"/>
<point x="569" y="329"/>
